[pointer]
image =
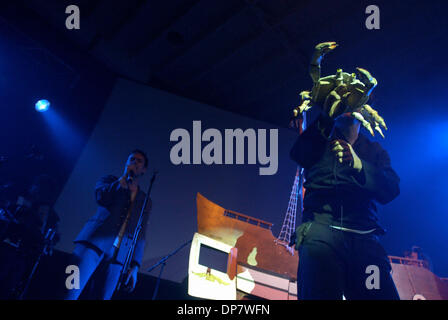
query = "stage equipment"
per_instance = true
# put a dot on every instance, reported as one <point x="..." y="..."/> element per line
<point x="163" y="263"/>
<point x="42" y="105"/>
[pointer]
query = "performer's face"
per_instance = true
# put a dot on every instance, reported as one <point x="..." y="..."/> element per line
<point x="137" y="161"/>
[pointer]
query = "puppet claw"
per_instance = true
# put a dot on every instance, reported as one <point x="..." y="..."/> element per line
<point x="305" y="95"/>
<point x="373" y="113"/>
<point x="363" y="121"/>
<point x="326" y="47"/>
<point x="378" y="129"/>
<point x="367" y="79"/>
<point x="303" y="107"/>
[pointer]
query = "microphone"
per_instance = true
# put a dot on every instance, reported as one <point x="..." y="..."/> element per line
<point x="131" y="177"/>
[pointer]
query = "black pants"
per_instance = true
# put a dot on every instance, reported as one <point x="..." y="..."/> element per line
<point x="333" y="263"/>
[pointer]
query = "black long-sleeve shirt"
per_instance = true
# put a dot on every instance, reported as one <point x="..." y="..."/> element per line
<point x="337" y="194"/>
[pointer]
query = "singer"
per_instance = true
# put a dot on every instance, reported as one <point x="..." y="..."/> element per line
<point x="103" y="243"/>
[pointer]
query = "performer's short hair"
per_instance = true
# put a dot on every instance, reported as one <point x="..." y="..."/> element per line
<point x="139" y="151"/>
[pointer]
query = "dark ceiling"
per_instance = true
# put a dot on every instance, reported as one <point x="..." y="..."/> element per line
<point x="250" y="57"/>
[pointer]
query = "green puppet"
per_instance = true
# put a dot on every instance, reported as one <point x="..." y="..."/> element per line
<point x="341" y="93"/>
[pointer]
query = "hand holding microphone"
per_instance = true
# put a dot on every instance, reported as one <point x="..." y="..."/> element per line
<point x="127" y="180"/>
<point x="130" y="176"/>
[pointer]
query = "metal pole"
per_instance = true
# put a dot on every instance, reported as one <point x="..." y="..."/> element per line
<point x="158" y="281"/>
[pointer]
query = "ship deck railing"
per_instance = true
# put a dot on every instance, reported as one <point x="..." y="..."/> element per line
<point x="248" y="219"/>
<point x="409" y="261"/>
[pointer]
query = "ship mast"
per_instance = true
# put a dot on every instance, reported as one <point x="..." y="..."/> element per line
<point x="295" y="203"/>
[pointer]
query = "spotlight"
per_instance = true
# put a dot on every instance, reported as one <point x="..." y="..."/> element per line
<point x="42" y="105"/>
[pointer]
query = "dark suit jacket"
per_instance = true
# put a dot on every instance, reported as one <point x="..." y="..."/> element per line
<point x="113" y="203"/>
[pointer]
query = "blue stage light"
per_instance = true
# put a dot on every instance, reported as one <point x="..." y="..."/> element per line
<point x="42" y="105"/>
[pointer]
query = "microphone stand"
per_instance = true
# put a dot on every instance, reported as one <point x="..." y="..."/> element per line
<point x="130" y="255"/>
<point x="163" y="263"/>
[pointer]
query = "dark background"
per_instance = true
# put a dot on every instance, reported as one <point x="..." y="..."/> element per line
<point x="246" y="57"/>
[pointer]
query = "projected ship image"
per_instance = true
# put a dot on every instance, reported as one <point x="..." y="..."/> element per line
<point x="262" y="266"/>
